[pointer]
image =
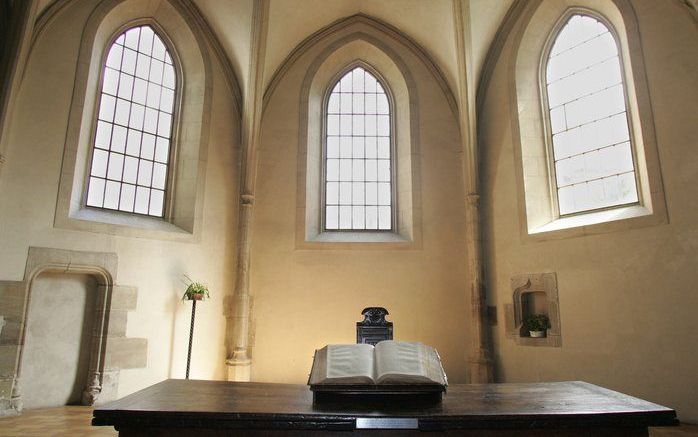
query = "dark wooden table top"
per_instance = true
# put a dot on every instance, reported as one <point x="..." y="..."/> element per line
<point x="220" y="404"/>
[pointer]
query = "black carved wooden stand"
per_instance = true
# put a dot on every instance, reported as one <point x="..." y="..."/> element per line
<point x="191" y="334"/>
<point x="374" y="328"/>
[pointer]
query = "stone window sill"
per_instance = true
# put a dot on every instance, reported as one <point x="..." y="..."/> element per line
<point x="597" y="223"/>
<point x="122" y="224"/>
<point x="359" y="237"/>
<point x="357" y="240"/>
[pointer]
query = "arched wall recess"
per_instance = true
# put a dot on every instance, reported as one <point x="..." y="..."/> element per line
<point x="529" y="39"/>
<point x="110" y="349"/>
<point x="191" y="54"/>
<point x="105" y="283"/>
<point x="291" y="134"/>
<point x="336" y="58"/>
<point x="378" y="38"/>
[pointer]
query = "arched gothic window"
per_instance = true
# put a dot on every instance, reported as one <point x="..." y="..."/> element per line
<point x="358" y="170"/>
<point x="131" y="148"/>
<point x="588" y="119"/>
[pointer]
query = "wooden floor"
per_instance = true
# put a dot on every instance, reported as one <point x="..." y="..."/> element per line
<point x="63" y="421"/>
<point x="75" y="421"/>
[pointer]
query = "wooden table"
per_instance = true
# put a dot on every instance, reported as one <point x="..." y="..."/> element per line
<point x="217" y="408"/>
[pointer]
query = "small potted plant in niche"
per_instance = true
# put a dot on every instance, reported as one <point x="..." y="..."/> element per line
<point x="195" y="290"/>
<point x="536" y="324"/>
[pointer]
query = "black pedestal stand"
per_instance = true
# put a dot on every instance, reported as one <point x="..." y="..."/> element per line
<point x="191" y="334"/>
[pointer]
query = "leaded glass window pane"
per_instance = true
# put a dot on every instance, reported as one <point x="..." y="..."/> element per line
<point x="588" y="119"/>
<point x="130" y="157"/>
<point x="358" y="165"/>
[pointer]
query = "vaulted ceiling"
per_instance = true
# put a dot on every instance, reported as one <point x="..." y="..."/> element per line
<point x="430" y="23"/>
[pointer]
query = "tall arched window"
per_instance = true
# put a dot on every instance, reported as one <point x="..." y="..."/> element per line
<point x="131" y="149"/>
<point x="358" y="151"/>
<point x="588" y="120"/>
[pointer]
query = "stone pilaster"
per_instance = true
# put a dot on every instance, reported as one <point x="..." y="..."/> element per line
<point x="480" y="359"/>
<point x="239" y="362"/>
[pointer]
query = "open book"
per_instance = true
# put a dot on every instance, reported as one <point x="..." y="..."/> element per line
<point x="389" y="362"/>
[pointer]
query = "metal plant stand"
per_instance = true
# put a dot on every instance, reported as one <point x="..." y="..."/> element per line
<point x="191" y="334"/>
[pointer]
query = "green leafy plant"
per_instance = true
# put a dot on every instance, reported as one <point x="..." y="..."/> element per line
<point x="195" y="290"/>
<point x="536" y="322"/>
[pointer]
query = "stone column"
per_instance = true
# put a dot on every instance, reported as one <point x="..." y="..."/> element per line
<point x="480" y="359"/>
<point x="238" y="361"/>
<point x="12" y="308"/>
<point x="94" y="381"/>
<point x="93" y="388"/>
<point x="16" y="403"/>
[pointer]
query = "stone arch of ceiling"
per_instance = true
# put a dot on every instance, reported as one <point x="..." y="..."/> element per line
<point x="207" y="40"/>
<point x="516" y="11"/>
<point x="359" y="20"/>
<point x="47" y="9"/>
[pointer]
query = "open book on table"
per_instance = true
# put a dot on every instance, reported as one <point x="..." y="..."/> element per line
<point x="390" y="362"/>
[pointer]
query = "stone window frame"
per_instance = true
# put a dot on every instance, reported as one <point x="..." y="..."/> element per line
<point x="337" y="57"/>
<point x="540" y="219"/>
<point x="393" y="141"/>
<point x="189" y="141"/>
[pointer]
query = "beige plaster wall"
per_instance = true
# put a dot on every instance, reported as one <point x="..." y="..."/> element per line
<point x="28" y="191"/>
<point x="627" y="298"/>
<point x="306" y="298"/>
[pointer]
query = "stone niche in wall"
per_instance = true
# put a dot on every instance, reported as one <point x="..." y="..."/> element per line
<point x="110" y="350"/>
<point x="533" y="293"/>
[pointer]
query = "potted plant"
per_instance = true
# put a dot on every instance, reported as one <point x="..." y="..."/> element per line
<point x="536" y="324"/>
<point x="195" y="290"/>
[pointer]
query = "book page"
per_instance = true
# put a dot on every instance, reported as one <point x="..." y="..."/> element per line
<point x="349" y="364"/>
<point x="407" y="363"/>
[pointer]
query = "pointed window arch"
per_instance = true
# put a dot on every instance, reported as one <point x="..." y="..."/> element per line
<point x="131" y="150"/>
<point x="588" y="123"/>
<point x="358" y="154"/>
